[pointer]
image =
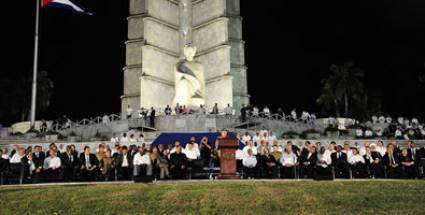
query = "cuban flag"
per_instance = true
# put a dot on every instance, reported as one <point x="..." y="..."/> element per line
<point x="65" y="4"/>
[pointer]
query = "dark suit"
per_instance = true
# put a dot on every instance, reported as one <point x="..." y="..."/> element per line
<point x="38" y="161"/>
<point x="408" y="172"/>
<point x="307" y="164"/>
<point x="70" y="166"/>
<point x="266" y="170"/>
<point x="340" y="163"/>
<point x="178" y="165"/>
<point x="4" y="166"/>
<point x="86" y="174"/>
<point x="124" y="173"/>
<point x="392" y="172"/>
<point x="375" y="169"/>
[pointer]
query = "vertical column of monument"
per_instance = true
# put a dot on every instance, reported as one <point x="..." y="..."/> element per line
<point x="185" y="29"/>
<point x="238" y="68"/>
<point x="133" y="68"/>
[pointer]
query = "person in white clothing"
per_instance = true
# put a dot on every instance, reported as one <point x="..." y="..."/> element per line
<point x="245" y="138"/>
<point x="124" y="140"/>
<point x="266" y="111"/>
<point x="255" y="111"/>
<point x="357" y="164"/>
<point x="272" y="138"/>
<point x="129" y="111"/>
<point x="51" y="166"/>
<point x="380" y="148"/>
<point x="250" y="163"/>
<point x="228" y="110"/>
<point x="132" y="140"/>
<point x="363" y="149"/>
<point x="114" y="140"/>
<point x="256" y="138"/>
<point x="288" y="161"/>
<point x="192" y="152"/>
<point x="249" y="146"/>
<point x="323" y="169"/>
<point x="142" y="163"/>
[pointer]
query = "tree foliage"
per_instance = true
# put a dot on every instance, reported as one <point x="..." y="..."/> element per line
<point x="15" y="96"/>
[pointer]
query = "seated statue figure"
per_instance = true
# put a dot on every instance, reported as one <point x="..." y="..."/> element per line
<point x="189" y="80"/>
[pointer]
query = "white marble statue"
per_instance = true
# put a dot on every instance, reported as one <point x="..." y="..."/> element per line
<point x="189" y="80"/>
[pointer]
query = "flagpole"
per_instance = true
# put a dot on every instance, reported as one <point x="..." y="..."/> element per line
<point x="35" y="68"/>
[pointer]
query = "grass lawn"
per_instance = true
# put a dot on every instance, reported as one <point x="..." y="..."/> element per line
<point x="328" y="197"/>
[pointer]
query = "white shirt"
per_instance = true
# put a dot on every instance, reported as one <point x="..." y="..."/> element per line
<point x="356" y="159"/>
<point x="381" y="150"/>
<point x="368" y="133"/>
<point x="114" y="140"/>
<point x="141" y="140"/>
<point x="129" y="111"/>
<point x="16" y="158"/>
<point x="246" y="138"/>
<point x="294" y="114"/>
<point x="5" y="156"/>
<point x="288" y="159"/>
<point x="362" y="151"/>
<point x="228" y="110"/>
<point x="398" y="133"/>
<point x="359" y="133"/>
<point x="255" y="111"/>
<point x="193" y="153"/>
<point x="272" y="138"/>
<point x="239" y="154"/>
<point x="141" y="159"/>
<point x="52" y="163"/>
<point x="125" y="161"/>
<point x="132" y="141"/>
<point x="326" y="157"/>
<point x="105" y="119"/>
<point x="245" y="150"/>
<point x="256" y="139"/>
<point x="263" y="132"/>
<point x="249" y="161"/>
<point x="124" y="141"/>
<point x="266" y="111"/>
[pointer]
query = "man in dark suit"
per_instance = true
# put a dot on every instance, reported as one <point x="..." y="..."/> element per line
<point x="391" y="162"/>
<point x="124" y="164"/>
<point x="70" y="164"/>
<point x="89" y="165"/>
<point x="268" y="164"/>
<point x="178" y="164"/>
<point x="373" y="162"/>
<point x="38" y="157"/>
<point x="415" y="154"/>
<point x="4" y="165"/>
<point x="340" y="162"/>
<point x="308" y="159"/>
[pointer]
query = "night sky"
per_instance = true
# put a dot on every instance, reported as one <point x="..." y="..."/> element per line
<point x="289" y="48"/>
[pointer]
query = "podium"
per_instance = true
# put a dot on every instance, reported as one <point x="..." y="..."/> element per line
<point x="228" y="147"/>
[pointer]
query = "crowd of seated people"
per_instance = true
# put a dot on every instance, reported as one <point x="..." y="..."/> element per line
<point x="105" y="163"/>
<point x="401" y="128"/>
<point x="262" y="159"/>
<point x="269" y="159"/>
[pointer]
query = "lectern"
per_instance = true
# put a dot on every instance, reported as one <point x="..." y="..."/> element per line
<point x="228" y="147"/>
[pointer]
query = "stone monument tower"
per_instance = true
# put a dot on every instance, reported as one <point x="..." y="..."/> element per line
<point x="158" y="31"/>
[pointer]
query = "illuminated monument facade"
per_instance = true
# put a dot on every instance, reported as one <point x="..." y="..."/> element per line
<point x="159" y="31"/>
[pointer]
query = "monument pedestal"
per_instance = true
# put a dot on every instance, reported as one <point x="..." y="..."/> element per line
<point x="227" y="149"/>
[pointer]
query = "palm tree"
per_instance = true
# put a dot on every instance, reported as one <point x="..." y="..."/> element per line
<point x="343" y="86"/>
